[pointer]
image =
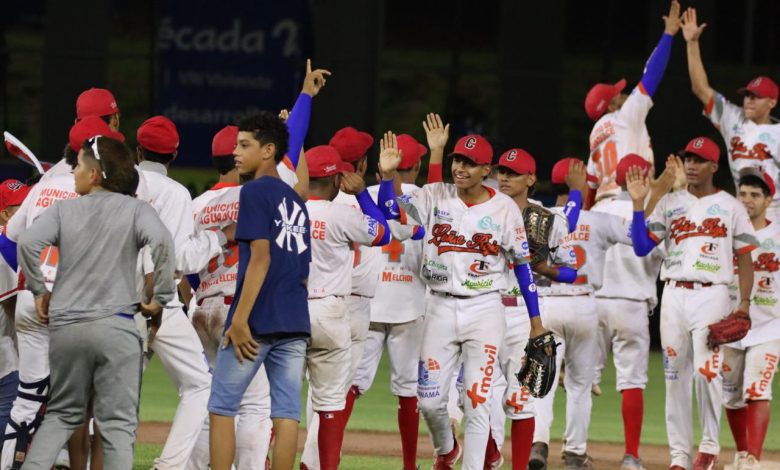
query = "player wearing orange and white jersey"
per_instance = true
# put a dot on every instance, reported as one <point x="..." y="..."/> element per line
<point x="749" y="365"/>
<point x="619" y="127"/>
<point x="702" y="228"/>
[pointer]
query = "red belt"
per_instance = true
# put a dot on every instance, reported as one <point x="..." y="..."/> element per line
<point x="228" y="299"/>
<point x="509" y="301"/>
<point x="688" y="284"/>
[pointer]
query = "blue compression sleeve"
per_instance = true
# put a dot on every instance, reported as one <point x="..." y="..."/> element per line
<point x="566" y="275"/>
<point x="194" y="280"/>
<point x="572" y="209"/>
<point x="370" y="209"/>
<point x="643" y="244"/>
<point x="418" y="233"/>
<point x="387" y="202"/>
<point x="656" y="64"/>
<point x="298" y="126"/>
<point x="528" y="288"/>
<point x="8" y="251"/>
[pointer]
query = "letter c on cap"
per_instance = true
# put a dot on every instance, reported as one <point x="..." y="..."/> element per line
<point x="471" y="142"/>
<point x="698" y="143"/>
<point x="512" y="155"/>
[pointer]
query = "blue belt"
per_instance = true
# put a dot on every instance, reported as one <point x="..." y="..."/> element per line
<point x="126" y="315"/>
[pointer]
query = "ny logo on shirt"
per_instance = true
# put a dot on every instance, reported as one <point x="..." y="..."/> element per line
<point x="293" y="227"/>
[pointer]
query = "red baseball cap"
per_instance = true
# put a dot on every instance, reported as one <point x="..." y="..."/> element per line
<point x="598" y="98"/>
<point x="411" y="151"/>
<point x="519" y="161"/>
<point x="763" y="87"/>
<point x="224" y="142"/>
<point x="561" y="169"/>
<point x="757" y="172"/>
<point x="627" y="162"/>
<point x="474" y="147"/>
<point x="704" y="148"/>
<point x="12" y="193"/>
<point x="88" y="128"/>
<point x="351" y="144"/>
<point x="158" y="134"/>
<point x="95" y="102"/>
<point x="324" y="160"/>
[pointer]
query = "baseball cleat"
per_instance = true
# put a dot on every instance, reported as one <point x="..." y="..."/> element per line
<point x="447" y="461"/>
<point x="538" y="458"/>
<point x="572" y="461"/>
<point x="740" y="458"/>
<point x="631" y="463"/>
<point x="705" y="461"/>
<point x="751" y="463"/>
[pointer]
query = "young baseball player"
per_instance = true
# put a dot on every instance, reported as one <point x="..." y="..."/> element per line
<point x="702" y="229"/>
<point x="94" y="345"/>
<point x="335" y="228"/>
<point x="268" y="322"/>
<point x="749" y="365"/>
<point x="619" y="127"/>
<point x="752" y="140"/>
<point x="472" y="233"/>
<point x="98" y="102"/>
<point x="623" y="304"/>
<point x="32" y="335"/>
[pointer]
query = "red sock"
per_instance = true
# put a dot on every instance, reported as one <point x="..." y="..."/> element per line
<point x="352" y="394"/>
<point x="491" y="450"/>
<point x="329" y="438"/>
<point x="757" y="424"/>
<point x="633" y="413"/>
<point x="522" y="440"/>
<point x="408" y="426"/>
<point x="738" y="424"/>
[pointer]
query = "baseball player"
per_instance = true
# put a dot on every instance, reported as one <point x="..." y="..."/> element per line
<point x="32" y="335"/>
<point x="396" y="313"/>
<point x="749" y="365"/>
<point x="472" y="233"/>
<point x="334" y="228"/>
<point x="98" y="102"/>
<point x="623" y="304"/>
<point x="619" y="127"/>
<point x="702" y="229"/>
<point x="569" y="310"/>
<point x="750" y="136"/>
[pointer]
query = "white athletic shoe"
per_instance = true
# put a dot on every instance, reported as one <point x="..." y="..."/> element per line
<point x="751" y="463"/>
<point x="739" y="459"/>
<point x="63" y="460"/>
<point x="631" y="463"/>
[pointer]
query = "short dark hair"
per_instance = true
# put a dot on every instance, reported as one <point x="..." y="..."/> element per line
<point x="163" y="158"/>
<point x="116" y="161"/>
<point x="71" y="157"/>
<point x="267" y="128"/>
<point x="223" y="163"/>
<point x="756" y="182"/>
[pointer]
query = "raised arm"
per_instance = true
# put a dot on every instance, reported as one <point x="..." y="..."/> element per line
<point x="576" y="180"/>
<point x="656" y="64"/>
<point x="352" y="183"/>
<point x="437" y="134"/>
<point x="638" y="187"/>
<point x="298" y="120"/>
<point x="692" y="32"/>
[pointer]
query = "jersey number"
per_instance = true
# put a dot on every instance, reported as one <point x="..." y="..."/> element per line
<point x="606" y="161"/>
<point x="229" y="259"/>
<point x="582" y="258"/>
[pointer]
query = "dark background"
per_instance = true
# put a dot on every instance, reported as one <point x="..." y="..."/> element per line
<point x="516" y="71"/>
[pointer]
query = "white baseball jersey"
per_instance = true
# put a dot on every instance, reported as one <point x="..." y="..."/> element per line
<point x="766" y="278"/>
<point x="616" y="135"/>
<point x="701" y="236"/>
<point x="366" y="261"/>
<point x="9" y="285"/>
<point x="334" y="227"/>
<point x="585" y="250"/>
<point x="400" y="292"/>
<point x="749" y="144"/>
<point x="466" y="249"/>
<point x="627" y="276"/>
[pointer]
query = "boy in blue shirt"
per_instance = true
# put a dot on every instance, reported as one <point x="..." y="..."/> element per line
<point x="268" y="322"/>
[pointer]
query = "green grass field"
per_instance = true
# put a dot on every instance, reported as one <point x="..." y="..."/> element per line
<point x="376" y="411"/>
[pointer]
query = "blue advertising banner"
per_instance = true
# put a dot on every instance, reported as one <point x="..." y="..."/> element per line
<point x="219" y="61"/>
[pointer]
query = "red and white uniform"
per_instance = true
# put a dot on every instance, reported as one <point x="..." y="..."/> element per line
<point x="623" y="303"/>
<point x="748" y="144"/>
<point x="466" y="252"/>
<point x="615" y="135"/>
<point x="700" y="237"/>
<point x="9" y="286"/>
<point x="749" y="365"/>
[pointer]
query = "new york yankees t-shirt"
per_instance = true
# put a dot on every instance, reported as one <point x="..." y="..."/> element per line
<point x="271" y="210"/>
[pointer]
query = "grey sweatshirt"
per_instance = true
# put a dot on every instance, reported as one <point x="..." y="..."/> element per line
<point x="99" y="236"/>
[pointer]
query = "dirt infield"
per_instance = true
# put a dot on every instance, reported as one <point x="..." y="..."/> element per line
<point x="382" y="444"/>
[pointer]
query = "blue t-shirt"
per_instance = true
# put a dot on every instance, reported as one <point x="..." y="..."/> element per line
<point x="270" y="210"/>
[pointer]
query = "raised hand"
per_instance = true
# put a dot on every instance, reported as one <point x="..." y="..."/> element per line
<point x="389" y="155"/>
<point x="314" y="80"/>
<point x="576" y="178"/>
<point x="680" y="179"/>
<point x="436" y="131"/>
<point x="690" y="28"/>
<point x="352" y="183"/>
<point x="673" y="20"/>
<point x="637" y="184"/>
<point x="284" y="115"/>
<point x="665" y="181"/>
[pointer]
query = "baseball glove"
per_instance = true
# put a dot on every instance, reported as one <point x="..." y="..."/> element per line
<point x="538" y="226"/>
<point x="732" y="328"/>
<point x="538" y="371"/>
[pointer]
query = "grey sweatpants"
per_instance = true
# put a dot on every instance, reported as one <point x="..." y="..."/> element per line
<point x="102" y="357"/>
